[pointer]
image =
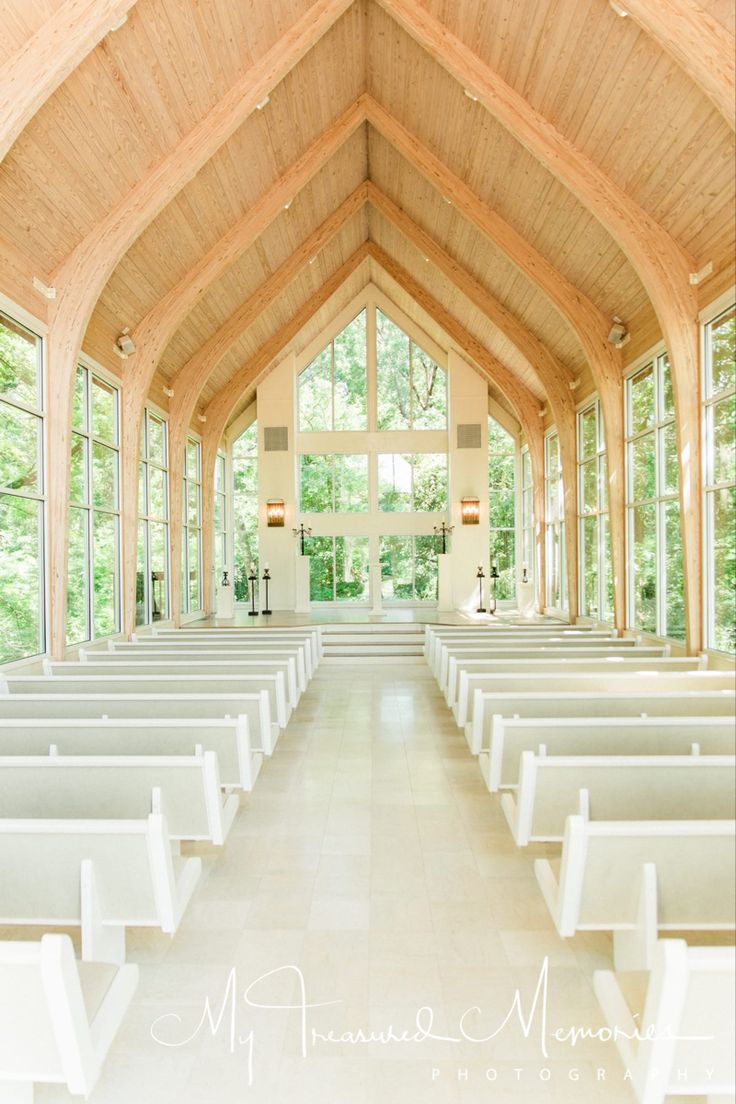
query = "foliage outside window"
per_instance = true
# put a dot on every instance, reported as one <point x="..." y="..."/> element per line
<point x="411" y="386"/>
<point x="22" y="590"/>
<point x="245" y="510"/>
<point x="528" y="546"/>
<point x="93" y="587"/>
<point x="333" y="387"/>
<point x="220" y="516"/>
<point x="408" y="568"/>
<point x="338" y="569"/>
<point x="594" y="547"/>
<point x="152" y="578"/>
<point x="656" y="573"/>
<point x="336" y="483"/>
<point x="191" y="547"/>
<point x="554" y="524"/>
<point x="415" y="483"/>
<point x="720" y="481"/>
<point x="502" y="507"/>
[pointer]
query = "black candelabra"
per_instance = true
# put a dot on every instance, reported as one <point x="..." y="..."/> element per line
<point x="480" y="576"/>
<point x="443" y="531"/>
<point x="494" y="577"/>
<point x="267" y="579"/>
<point x="302" y="532"/>
<point x="252" y="612"/>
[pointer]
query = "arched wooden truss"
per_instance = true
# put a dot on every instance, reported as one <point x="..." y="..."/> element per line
<point x="703" y="52"/>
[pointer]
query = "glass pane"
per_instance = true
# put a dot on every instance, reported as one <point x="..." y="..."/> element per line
<point x="193" y="460"/>
<point x="553" y="454"/>
<point x="502" y="509"/>
<point x="351" y="483"/>
<point x="589" y="487"/>
<point x="245" y="510"/>
<point x="247" y="442"/>
<point x="21" y="575"/>
<point x="393" y="371"/>
<point x="588" y="433"/>
<point x="219" y="516"/>
<point x="193" y="512"/>
<point x="430" y="482"/>
<point x="104" y="410"/>
<point x="642" y="399"/>
<point x="315" y="394"/>
<point x="220" y="473"/>
<point x="315" y="482"/>
<point x="105" y="476"/>
<point x="526" y="469"/>
<point x="78" y="471"/>
<point x="184" y="592"/>
<point x="675" y="580"/>
<point x="105" y="553"/>
<point x="156" y="492"/>
<point x="156" y="439"/>
<point x="141" y="616"/>
<point x="425" y="569"/>
<point x="396" y="568"/>
<point x="500" y="443"/>
<point x="670" y="475"/>
<point x="554" y="565"/>
<point x="668" y="398"/>
<point x="394" y="482"/>
<point x="194" y="552"/>
<point x="722" y="335"/>
<point x="351" y="376"/>
<point x="20" y="434"/>
<point x="724" y="440"/>
<point x="352" y="578"/>
<point x="503" y="555"/>
<point x="606" y="613"/>
<point x="428" y="391"/>
<point x="723" y="571"/>
<point x="142" y="507"/>
<point x="603" y="481"/>
<point x="79" y="400"/>
<point x="77" y="603"/>
<point x="643" y="468"/>
<point x="590" y="566"/>
<point x="19" y="365"/>
<point x="158" y="538"/>
<point x="644" y="581"/>
<point x="321" y="568"/>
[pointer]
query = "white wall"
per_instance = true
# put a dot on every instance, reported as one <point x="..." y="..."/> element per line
<point x="468" y="479"/>
<point x="276" y="479"/>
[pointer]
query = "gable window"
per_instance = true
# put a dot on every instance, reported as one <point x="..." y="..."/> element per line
<point x="411" y="386"/>
<point x="333" y="387"/>
<point x="333" y="484"/>
<point x="414" y="483"/>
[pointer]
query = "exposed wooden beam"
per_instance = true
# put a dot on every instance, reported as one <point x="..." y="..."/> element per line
<point x="83" y="274"/>
<point x="35" y="71"/>
<point x="703" y="48"/>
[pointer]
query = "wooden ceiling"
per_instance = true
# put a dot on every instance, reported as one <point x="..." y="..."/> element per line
<point x="607" y="86"/>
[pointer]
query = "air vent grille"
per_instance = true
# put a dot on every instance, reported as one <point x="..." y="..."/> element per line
<point x="468" y="436"/>
<point x="276" y="439"/>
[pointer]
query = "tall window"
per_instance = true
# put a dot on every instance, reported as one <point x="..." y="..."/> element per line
<point x="502" y="507"/>
<point x="336" y="483"/>
<point x="93" y="589"/>
<point x="245" y="510"/>
<point x="412" y="388"/>
<point x="338" y="569"/>
<point x="220" y="516"/>
<point x="594" y="548"/>
<point x="554" y="524"/>
<point x="528" y="545"/>
<point x="415" y="483"/>
<point x="656" y="577"/>
<point x="191" y="549"/>
<point x="333" y="388"/>
<point x="22" y="589"/>
<point x="720" y="481"/>
<point x="152" y="581"/>
<point x="408" y="568"/>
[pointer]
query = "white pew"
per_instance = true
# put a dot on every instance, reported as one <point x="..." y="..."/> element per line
<point x="616" y="787"/>
<point x="477" y="649"/>
<point x="144" y="707"/>
<point x="684" y="1020"/>
<point x="167" y="649"/>
<point x="609" y="735"/>
<point x="620" y="703"/>
<point x="237" y="635"/>
<point x="683" y="676"/>
<point x="58" y="1018"/>
<point x="273" y="685"/>
<point x="100" y="875"/>
<point x="472" y="659"/>
<point x="635" y="878"/>
<point x="152" y="665"/>
<point x="435" y="636"/>
<point x="228" y="738"/>
<point x="111" y="787"/>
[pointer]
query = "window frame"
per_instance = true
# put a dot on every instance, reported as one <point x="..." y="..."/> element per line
<point x="185" y="600"/>
<point x="147" y="518"/>
<point x="601" y="513"/>
<point x="554" y="520"/>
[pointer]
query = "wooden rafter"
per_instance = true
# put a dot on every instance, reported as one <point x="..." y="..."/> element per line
<point x="44" y="62"/>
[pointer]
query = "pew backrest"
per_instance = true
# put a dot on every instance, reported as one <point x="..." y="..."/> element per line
<point x="125" y="649"/>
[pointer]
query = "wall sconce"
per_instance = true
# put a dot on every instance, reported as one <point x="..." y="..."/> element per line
<point x="470" y="509"/>
<point x="275" y="513"/>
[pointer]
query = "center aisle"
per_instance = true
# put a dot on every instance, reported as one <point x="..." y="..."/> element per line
<point x="371" y="857"/>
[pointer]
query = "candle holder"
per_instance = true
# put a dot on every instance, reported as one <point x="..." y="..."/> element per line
<point x="443" y="531"/>
<point x="494" y="578"/>
<point x="302" y="532"/>
<point x="252" y="612"/>
<point x="480" y="576"/>
<point x="524" y="574"/>
<point x="267" y="579"/>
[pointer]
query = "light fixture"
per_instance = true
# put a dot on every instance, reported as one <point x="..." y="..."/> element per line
<point x="201" y="417"/>
<point x="287" y="205"/>
<point x="124" y="345"/>
<point x="169" y="392"/>
<point x="471" y="95"/>
<point x="263" y="103"/>
<point x="275" y="513"/>
<point x="470" y="510"/>
<point x="618" y="9"/>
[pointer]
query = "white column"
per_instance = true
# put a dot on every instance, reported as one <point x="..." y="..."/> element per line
<point x="302" y="603"/>
<point x="468" y="479"/>
<point x="277" y="480"/>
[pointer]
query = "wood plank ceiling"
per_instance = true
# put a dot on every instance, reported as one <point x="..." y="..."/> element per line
<point x="602" y="82"/>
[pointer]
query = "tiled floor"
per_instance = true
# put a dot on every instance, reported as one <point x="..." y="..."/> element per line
<point x="371" y="859"/>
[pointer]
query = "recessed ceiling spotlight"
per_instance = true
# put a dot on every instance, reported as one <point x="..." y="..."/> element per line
<point x="312" y="260"/>
<point x="263" y="103"/>
<point x="471" y="95"/>
<point x="288" y="204"/>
